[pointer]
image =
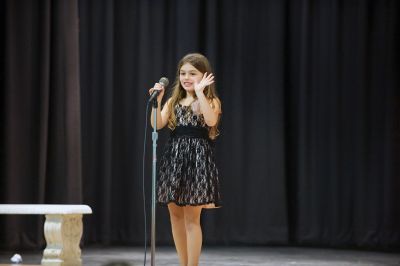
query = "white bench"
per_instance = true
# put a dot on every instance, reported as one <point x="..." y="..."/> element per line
<point x="63" y="230"/>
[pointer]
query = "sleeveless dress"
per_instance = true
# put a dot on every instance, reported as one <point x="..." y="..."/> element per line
<point x="188" y="174"/>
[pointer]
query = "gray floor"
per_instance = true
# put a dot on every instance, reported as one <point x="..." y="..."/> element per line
<point x="218" y="256"/>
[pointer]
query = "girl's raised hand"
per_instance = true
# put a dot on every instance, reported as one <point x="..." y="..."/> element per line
<point x="205" y="81"/>
<point x="160" y="88"/>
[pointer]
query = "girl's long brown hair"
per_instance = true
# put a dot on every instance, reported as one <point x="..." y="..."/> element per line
<point x="201" y="63"/>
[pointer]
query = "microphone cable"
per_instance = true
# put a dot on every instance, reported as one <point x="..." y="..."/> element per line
<point x="143" y="178"/>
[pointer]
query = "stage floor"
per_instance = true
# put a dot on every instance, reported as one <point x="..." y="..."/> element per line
<point x="219" y="256"/>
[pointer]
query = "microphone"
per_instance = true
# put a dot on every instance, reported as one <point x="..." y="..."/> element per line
<point x="164" y="82"/>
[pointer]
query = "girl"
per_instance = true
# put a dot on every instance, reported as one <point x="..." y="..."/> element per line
<point x="188" y="178"/>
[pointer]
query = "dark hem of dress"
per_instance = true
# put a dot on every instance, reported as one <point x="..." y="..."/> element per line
<point x="216" y="205"/>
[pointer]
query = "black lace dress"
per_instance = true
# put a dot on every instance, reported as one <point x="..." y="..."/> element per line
<point x="188" y="174"/>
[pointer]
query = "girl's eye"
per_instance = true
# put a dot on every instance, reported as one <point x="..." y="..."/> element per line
<point x="192" y="74"/>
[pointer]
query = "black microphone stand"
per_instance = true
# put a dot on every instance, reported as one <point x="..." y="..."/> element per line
<point x="153" y="183"/>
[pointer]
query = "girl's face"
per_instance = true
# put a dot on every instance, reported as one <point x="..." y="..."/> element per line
<point x="188" y="76"/>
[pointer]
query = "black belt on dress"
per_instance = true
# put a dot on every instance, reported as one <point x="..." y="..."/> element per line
<point x="190" y="131"/>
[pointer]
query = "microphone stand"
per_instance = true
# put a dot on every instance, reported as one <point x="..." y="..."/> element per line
<point x="153" y="183"/>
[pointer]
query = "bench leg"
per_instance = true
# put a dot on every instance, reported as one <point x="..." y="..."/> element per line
<point x="63" y="235"/>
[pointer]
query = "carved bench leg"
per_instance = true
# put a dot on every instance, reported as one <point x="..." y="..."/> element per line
<point x="63" y="235"/>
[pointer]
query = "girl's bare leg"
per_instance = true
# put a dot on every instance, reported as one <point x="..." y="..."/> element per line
<point x="193" y="234"/>
<point x="177" y="217"/>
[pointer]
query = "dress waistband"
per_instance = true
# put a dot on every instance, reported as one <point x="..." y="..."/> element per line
<point x="190" y="131"/>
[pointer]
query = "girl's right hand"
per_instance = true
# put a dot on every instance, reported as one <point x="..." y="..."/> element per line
<point x="160" y="88"/>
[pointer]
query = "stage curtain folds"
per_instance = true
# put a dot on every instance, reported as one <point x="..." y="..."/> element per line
<point x="310" y="138"/>
<point x="41" y="123"/>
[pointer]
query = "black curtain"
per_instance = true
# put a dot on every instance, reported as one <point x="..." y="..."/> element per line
<point x="343" y="117"/>
<point x="40" y="129"/>
<point x="310" y="142"/>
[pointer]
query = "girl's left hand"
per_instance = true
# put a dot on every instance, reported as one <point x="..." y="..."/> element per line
<point x="205" y="81"/>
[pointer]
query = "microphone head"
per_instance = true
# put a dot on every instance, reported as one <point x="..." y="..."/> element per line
<point x="164" y="81"/>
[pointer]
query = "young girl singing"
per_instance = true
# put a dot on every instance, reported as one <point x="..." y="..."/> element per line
<point x="188" y="178"/>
